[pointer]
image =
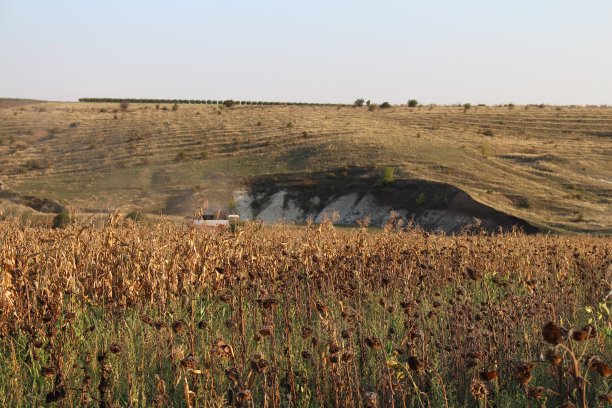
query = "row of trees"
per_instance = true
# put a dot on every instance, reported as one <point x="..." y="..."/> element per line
<point x="360" y="102"/>
<point x="227" y="102"/>
<point x="230" y="102"/>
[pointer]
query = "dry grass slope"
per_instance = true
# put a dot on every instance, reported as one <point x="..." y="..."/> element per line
<point x="547" y="165"/>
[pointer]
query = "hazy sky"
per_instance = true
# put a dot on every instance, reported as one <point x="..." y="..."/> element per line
<point x="436" y="51"/>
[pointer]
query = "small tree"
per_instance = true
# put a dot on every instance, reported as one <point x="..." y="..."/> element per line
<point x="412" y="103"/>
<point x="385" y="105"/>
<point x="359" y="102"/>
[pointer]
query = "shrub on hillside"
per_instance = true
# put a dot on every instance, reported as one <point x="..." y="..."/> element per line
<point x="61" y="220"/>
<point x="420" y="200"/>
<point x="388" y="175"/>
<point x="485" y="149"/>
<point x="136" y="216"/>
<point x="359" y="102"/>
<point x="412" y="103"/>
<point x="522" y="202"/>
<point x="36" y="164"/>
<point x="385" y="105"/>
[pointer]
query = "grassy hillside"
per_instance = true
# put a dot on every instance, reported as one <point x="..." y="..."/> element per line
<point x="15" y="102"/>
<point x="547" y="165"/>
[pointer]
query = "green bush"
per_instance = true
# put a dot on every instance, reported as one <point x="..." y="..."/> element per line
<point x="61" y="220"/>
<point x="420" y="200"/>
<point x="136" y="216"/>
<point x="229" y="103"/>
<point x="385" y="105"/>
<point x="388" y="175"/>
<point x="359" y="102"/>
<point x="412" y="103"/>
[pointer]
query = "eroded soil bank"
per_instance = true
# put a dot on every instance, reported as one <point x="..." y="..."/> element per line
<point x="353" y="195"/>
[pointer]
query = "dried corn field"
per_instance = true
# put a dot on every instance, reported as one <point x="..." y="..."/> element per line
<point x="122" y="314"/>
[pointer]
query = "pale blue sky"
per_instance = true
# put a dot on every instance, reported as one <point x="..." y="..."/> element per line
<point x="436" y="51"/>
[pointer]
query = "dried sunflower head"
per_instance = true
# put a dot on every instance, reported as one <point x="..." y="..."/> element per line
<point x="373" y="342"/>
<point x="553" y="333"/>
<point x="478" y="389"/>
<point x="370" y="400"/>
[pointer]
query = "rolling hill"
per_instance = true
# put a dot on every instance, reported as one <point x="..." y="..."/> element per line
<point x="549" y="166"/>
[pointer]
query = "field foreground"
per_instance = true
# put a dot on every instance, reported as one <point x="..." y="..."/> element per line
<point x="132" y="315"/>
